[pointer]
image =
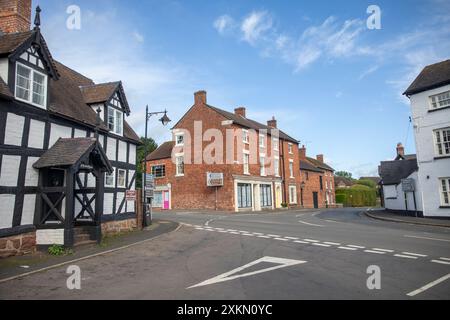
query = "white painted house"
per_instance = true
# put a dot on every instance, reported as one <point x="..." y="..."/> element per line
<point x="63" y="166"/>
<point x="430" y="106"/>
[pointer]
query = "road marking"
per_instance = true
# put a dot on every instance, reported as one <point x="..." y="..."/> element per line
<point x="333" y="221"/>
<point x="311" y="224"/>
<point x="234" y="232"/>
<point x="439" y="261"/>
<point x="435" y="239"/>
<point x="384" y="250"/>
<point x="404" y="256"/>
<point x="258" y="234"/>
<point x="274" y="236"/>
<point x="415" y="254"/>
<point x="333" y="243"/>
<point x="371" y="251"/>
<point x="346" y="248"/>
<point x="248" y="234"/>
<point x="198" y="228"/>
<point x="299" y="241"/>
<point x="264" y="237"/>
<point x="281" y="239"/>
<point x="231" y="230"/>
<point x="321" y="245"/>
<point x="292" y="238"/>
<point x="428" y="286"/>
<point x="223" y="231"/>
<point x="227" y="276"/>
<point x="447" y="259"/>
<point x="243" y="231"/>
<point x="357" y="247"/>
<point x="310" y="240"/>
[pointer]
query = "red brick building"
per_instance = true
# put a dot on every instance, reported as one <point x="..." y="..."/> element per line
<point x="259" y="163"/>
<point x="317" y="189"/>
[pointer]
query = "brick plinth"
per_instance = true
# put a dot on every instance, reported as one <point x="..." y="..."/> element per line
<point x="115" y="227"/>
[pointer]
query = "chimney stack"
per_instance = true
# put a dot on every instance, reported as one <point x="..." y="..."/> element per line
<point x="200" y="97"/>
<point x="320" y="158"/>
<point x="15" y="16"/>
<point x="272" y="123"/>
<point x="302" y="153"/>
<point x="400" y="150"/>
<point x="240" y="112"/>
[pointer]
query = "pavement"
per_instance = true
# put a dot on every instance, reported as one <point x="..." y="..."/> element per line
<point x="328" y="254"/>
<point x="392" y="217"/>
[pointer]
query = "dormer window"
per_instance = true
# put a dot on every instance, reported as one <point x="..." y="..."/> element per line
<point x="115" y="121"/>
<point x="31" y="86"/>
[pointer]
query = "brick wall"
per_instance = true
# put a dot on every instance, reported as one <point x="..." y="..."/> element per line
<point x="116" y="227"/>
<point x="15" y="15"/>
<point x="18" y="245"/>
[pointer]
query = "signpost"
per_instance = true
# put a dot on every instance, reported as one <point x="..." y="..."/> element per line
<point x="409" y="186"/>
<point x="148" y="197"/>
<point x="214" y="180"/>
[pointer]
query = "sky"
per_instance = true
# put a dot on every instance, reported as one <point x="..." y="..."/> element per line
<point x="330" y="81"/>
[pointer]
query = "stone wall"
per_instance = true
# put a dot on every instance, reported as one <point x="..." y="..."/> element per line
<point x="115" y="227"/>
<point x="18" y="245"/>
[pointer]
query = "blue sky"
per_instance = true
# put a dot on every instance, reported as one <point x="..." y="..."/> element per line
<point x="330" y="81"/>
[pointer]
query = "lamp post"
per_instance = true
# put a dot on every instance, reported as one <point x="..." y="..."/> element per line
<point x="165" y="121"/>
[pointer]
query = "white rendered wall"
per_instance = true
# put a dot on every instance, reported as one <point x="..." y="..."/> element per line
<point x="14" y="129"/>
<point x="10" y="171"/>
<point x="57" y="132"/>
<point x="7" y="211"/>
<point x="36" y="136"/>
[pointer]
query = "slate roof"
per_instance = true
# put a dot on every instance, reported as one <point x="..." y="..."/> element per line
<point x="65" y="152"/>
<point x="392" y="172"/>
<point x="250" y="124"/>
<point x="319" y="164"/>
<point x="164" y="151"/>
<point x="307" y="166"/>
<point x="4" y="90"/>
<point x="432" y="76"/>
<point x="66" y="98"/>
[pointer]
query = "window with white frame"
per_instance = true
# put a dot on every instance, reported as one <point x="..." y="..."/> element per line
<point x="121" y="178"/>
<point x="262" y="141"/>
<point x="31" y="86"/>
<point x="445" y="191"/>
<point x="179" y="139"/>
<point x="110" y="179"/>
<point x="290" y="148"/>
<point x="262" y="163"/>
<point x="442" y="140"/>
<point x="246" y="163"/>
<point x="180" y="165"/>
<point x="159" y="171"/>
<point x="276" y="167"/>
<point x="245" y="136"/>
<point x="440" y="100"/>
<point x="115" y="121"/>
<point x="276" y="144"/>
<point x="292" y="194"/>
<point x="291" y="168"/>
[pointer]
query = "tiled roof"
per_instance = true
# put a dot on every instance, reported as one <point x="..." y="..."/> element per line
<point x="392" y="172"/>
<point x="65" y="152"/>
<point x="4" y="90"/>
<point x="11" y="41"/>
<point x="432" y="76"/>
<point x="98" y="92"/>
<point x="341" y="180"/>
<point x="164" y="151"/>
<point x="319" y="164"/>
<point x="307" y="166"/>
<point x="250" y="124"/>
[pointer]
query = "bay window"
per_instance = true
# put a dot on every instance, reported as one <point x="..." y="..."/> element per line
<point x="31" y="86"/>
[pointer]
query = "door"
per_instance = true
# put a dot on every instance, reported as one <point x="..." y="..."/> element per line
<point x="166" y="200"/>
<point x="54" y="179"/>
<point x="316" y="200"/>
<point x="278" y="196"/>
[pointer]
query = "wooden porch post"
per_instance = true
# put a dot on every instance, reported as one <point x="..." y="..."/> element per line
<point x="99" y="200"/>
<point x="69" y="210"/>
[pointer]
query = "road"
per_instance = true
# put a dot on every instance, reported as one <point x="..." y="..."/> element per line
<point x="291" y="255"/>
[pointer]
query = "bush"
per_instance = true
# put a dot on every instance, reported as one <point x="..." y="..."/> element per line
<point x="368" y="183"/>
<point x="357" y="196"/>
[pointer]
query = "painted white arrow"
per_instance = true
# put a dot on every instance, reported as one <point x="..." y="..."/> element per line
<point x="227" y="276"/>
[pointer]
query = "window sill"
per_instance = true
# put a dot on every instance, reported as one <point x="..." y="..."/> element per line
<point x="179" y="175"/>
<point x="442" y="157"/>
<point x="438" y="109"/>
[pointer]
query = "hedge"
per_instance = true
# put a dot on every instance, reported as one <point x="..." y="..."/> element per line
<point x="357" y="196"/>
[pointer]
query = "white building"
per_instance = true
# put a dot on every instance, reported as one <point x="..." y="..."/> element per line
<point x="430" y="107"/>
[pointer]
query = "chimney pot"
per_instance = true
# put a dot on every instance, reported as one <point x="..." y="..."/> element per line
<point x="241" y="111"/>
<point x="400" y="149"/>
<point x="320" y="158"/>
<point x="200" y="97"/>
<point x="272" y="123"/>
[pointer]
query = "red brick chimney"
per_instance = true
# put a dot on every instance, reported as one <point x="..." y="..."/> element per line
<point x="320" y="157"/>
<point x="15" y="16"/>
<point x="200" y="97"/>
<point x="302" y="153"/>
<point x="272" y="123"/>
<point x="400" y="150"/>
<point x="240" y="111"/>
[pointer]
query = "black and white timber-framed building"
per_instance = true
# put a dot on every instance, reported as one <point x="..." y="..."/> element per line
<point x="67" y="154"/>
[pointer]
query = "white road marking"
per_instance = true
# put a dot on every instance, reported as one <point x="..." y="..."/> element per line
<point x="311" y="224"/>
<point x="248" y="235"/>
<point x="404" y="256"/>
<point x="346" y="248"/>
<point x="264" y="237"/>
<point x="311" y="240"/>
<point x="200" y="228"/>
<point x="415" y="254"/>
<point x="442" y="258"/>
<point x="234" y="232"/>
<point x="428" y="286"/>
<point x="371" y="251"/>
<point x="426" y="238"/>
<point x="274" y="236"/>
<point x="321" y="245"/>
<point x="258" y="234"/>
<point x="299" y="241"/>
<point x="357" y="247"/>
<point x="243" y="231"/>
<point x="292" y="238"/>
<point x="231" y="230"/>
<point x="281" y="239"/>
<point x="223" y="231"/>
<point x="333" y="221"/>
<point x="384" y="250"/>
<point x="439" y="261"/>
<point x="333" y="243"/>
<point x="227" y="276"/>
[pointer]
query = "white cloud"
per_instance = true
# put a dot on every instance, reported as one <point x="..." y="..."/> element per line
<point x="224" y="23"/>
<point x="138" y="37"/>
<point x="255" y="25"/>
<point x="368" y="72"/>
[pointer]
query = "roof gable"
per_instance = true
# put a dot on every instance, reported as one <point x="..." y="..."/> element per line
<point x="431" y="77"/>
<point x="392" y="172"/>
<point x="164" y="151"/>
<point x="105" y="92"/>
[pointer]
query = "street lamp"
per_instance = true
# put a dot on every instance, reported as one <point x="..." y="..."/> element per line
<point x="165" y="121"/>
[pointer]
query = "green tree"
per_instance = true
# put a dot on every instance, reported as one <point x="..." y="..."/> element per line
<point x="368" y="183"/>
<point x="148" y="146"/>
<point x="344" y="174"/>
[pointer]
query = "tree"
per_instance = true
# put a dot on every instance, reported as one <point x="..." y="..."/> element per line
<point x="368" y="183"/>
<point x="148" y="146"/>
<point x="344" y="174"/>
